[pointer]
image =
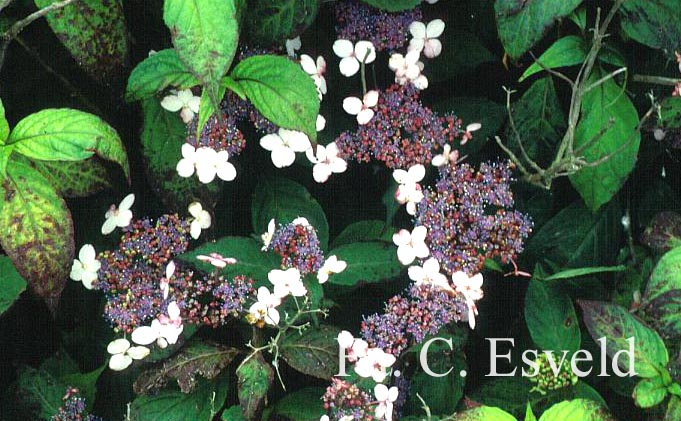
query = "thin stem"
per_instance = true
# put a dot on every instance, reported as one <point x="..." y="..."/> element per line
<point x="362" y="70"/>
<point x="656" y="80"/>
<point x="4" y="3"/>
<point x="604" y="79"/>
<point x="517" y="134"/>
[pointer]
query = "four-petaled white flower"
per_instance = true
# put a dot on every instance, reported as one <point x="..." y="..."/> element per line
<point x="122" y="354"/>
<point x="165" y="281"/>
<point x="471" y="289"/>
<point x="326" y="162"/>
<point x="385" y="398"/>
<point x="448" y="156"/>
<point x="425" y="37"/>
<point x="292" y="45"/>
<point x="469" y="129"/>
<point x="217" y="260"/>
<point x="284" y="145"/>
<point x="351" y="56"/>
<point x="301" y="220"/>
<point x="355" y="348"/>
<point x="316" y="71"/>
<point x="408" y="69"/>
<point x="411" y="245"/>
<point x="267" y="236"/>
<point x="182" y="100"/>
<point x="201" y="219"/>
<point x="207" y="162"/>
<point x="409" y="189"/>
<point x="374" y="364"/>
<point x="287" y="282"/>
<point x="429" y="274"/>
<point x="361" y="107"/>
<point x="331" y="265"/>
<point x="266" y="307"/>
<point x="118" y="217"/>
<point x="86" y="266"/>
<point x="164" y="329"/>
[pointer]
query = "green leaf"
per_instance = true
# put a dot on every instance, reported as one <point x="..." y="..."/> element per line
<point x="62" y="134"/>
<point x="369" y="230"/>
<point x="664" y="313"/>
<point x="673" y="409"/>
<point x="173" y="405"/>
<point x="313" y="352"/>
<point x="4" y="125"/>
<point x="509" y="393"/>
<point x="666" y="275"/>
<point x="198" y="358"/>
<point x="281" y="91"/>
<point x="462" y="52"/>
<point x="670" y="113"/>
<point x="157" y="72"/>
<point x="655" y="23"/>
<point x="206" y="109"/>
<point x="393" y="5"/>
<point x="205" y="34"/>
<point x="272" y="21"/>
<point x="285" y="200"/>
<point x="482" y="413"/>
<point x="551" y="318"/>
<point x="233" y="413"/>
<point x="39" y="393"/>
<point x="574" y="273"/>
<point x="86" y="383"/>
<point x="41" y="245"/>
<point x="577" y="409"/>
<point x="94" y="33"/>
<point x="11" y="284"/>
<point x="649" y="392"/>
<point x="522" y="23"/>
<point x="302" y="405"/>
<point x="250" y="260"/>
<point x="163" y="134"/>
<point x="529" y="415"/>
<point x="567" y="51"/>
<point x="616" y="324"/>
<point x="74" y="178"/>
<point x="5" y="152"/>
<point x="607" y="127"/>
<point x="255" y="378"/>
<point x="369" y="261"/>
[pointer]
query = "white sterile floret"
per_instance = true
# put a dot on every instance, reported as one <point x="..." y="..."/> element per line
<point x="316" y="70"/>
<point x="446" y="157"/>
<point x="183" y="100"/>
<point x="385" y="398"/>
<point x="409" y="190"/>
<point x="331" y="265"/>
<point x="326" y="162"/>
<point x="267" y="236"/>
<point x="408" y="69"/>
<point x="85" y="268"/>
<point x="164" y="283"/>
<point x="374" y="364"/>
<point x="122" y="354"/>
<point x="471" y="288"/>
<point x="292" y="45"/>
<point x="201" y="219"/>
<point x="351" y="56"/>
<point x="207" y="163"/>
<point x="118" y="217"/>
<point x="265" y="308"/>
<point x="411" y="245"/>
<point x="284" y="144"/>
<point x="425" y="37"/>
<point x="287" y="282"/>
<point x="164" y="329"/>
<point x="429" y="274"/>
<point x="217" y="260"/>
<point x="355" y="348"/>
<point x="361" y="107"/>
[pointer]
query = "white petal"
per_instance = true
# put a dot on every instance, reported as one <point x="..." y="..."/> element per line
<point x="416" y="173"/>
<point x="439" y="160"/>
<point x="421" y="82"/>
<point x="88" y="278"/>
<point x="417" y="29"/>
<point x="320" y="124"/>
<point x="195" y="209"/>
<point x="370" y="98"/>
<point x="123" y="218"/>
<point x="396" y="61"/>
<point x="138" y="352"/>
<point x="473" y="127"/>
<point x="416" y="44"/>
<point x="173" y="311"/>
<point x="435" y="28"/>
<point x="119" y="362"/>
<point x="365" y="116"/>
<point x="343" y="48"/>
<point x="405" y="254"/>
<point x="195" y="229"/>
<point x="432" y="266"/>
<point x="310" y="154"/>
<point x="308" y="64"/>
<point x="205" y="220"/>
<point x="170" y="269"/>
<point x="365" y="51"/>
<point x="271" y="141"/>
<point x="401" y="237"/>
<point x="185" y="168"/>
<point x="349" y="66"/>
<point x="206" y="173"/>
<point x="321" y="172"/>
<point x="226" y="171"/>
<point x="127" y="202"/>
<point x="338" y="165"/>
<point x="272" y="317"/>
<point x="76" y="270"/>
<point x="345" y="339"/>
<point x="87" y="253"/>
<point x="188" y="151"/>
<point x="108" y="226"/>
<point x="433" y="48"/>
<point x="172" y="103"/>
<point x="416" y="273"/>
<point x="401" y="176"/>
<point x="296" y="141"/>
<point x="194" y="104"/>
<point x="283" y="157"/>
<point x="381" y="392"/>
<point x="118" y="346"/>
<point x="144" y="335"/>
<point x="352" y="105"/>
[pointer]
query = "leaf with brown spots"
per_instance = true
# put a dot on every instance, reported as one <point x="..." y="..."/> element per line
<point x="94" y="33"/>
<point x="37" y="230"/>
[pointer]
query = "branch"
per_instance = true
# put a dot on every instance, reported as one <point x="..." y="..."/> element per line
<point x="4" y="3"/>
<point x="656" y="80"/>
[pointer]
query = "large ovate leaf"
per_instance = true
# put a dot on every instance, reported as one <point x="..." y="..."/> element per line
<point x="551" y="318"/>
<point x="41" y="243"/>
<point x="665" y="313"/>
<point x="522" y="23"/>
<point x="313" y="352"/>
<point x="666" y="275"/>
<point x="173" y="405"/>
<point x="649" y="392"/>
<point x="94" y="33"/>
<point x="607" y="128"/>
<point x="255" y="377"/>
<point x="567" y="51"/>
<point x="281" y="91"/>
<point x="157" y="72"/>
<point x="163" y="135"/>
<point x="36" y="395"/>
<point x="616" y="324"/>
<point x="655" y="23"/>
<point x="4" y="125"/>
<point x="11" y="284"/>
<point x="272" y="21"/>
<point x="577" y="410"/>
<point x="250" y="260"/>
<point x="285" y="200"/>
<point x="62" y="134"/>
<point x="302" y="405"/>
<point x="74" y="178"/>
<point x="196" y="359"/>
<point x="370" y="261"/>
<point x="205" y="34"/>
<point x="393" y="5"/>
